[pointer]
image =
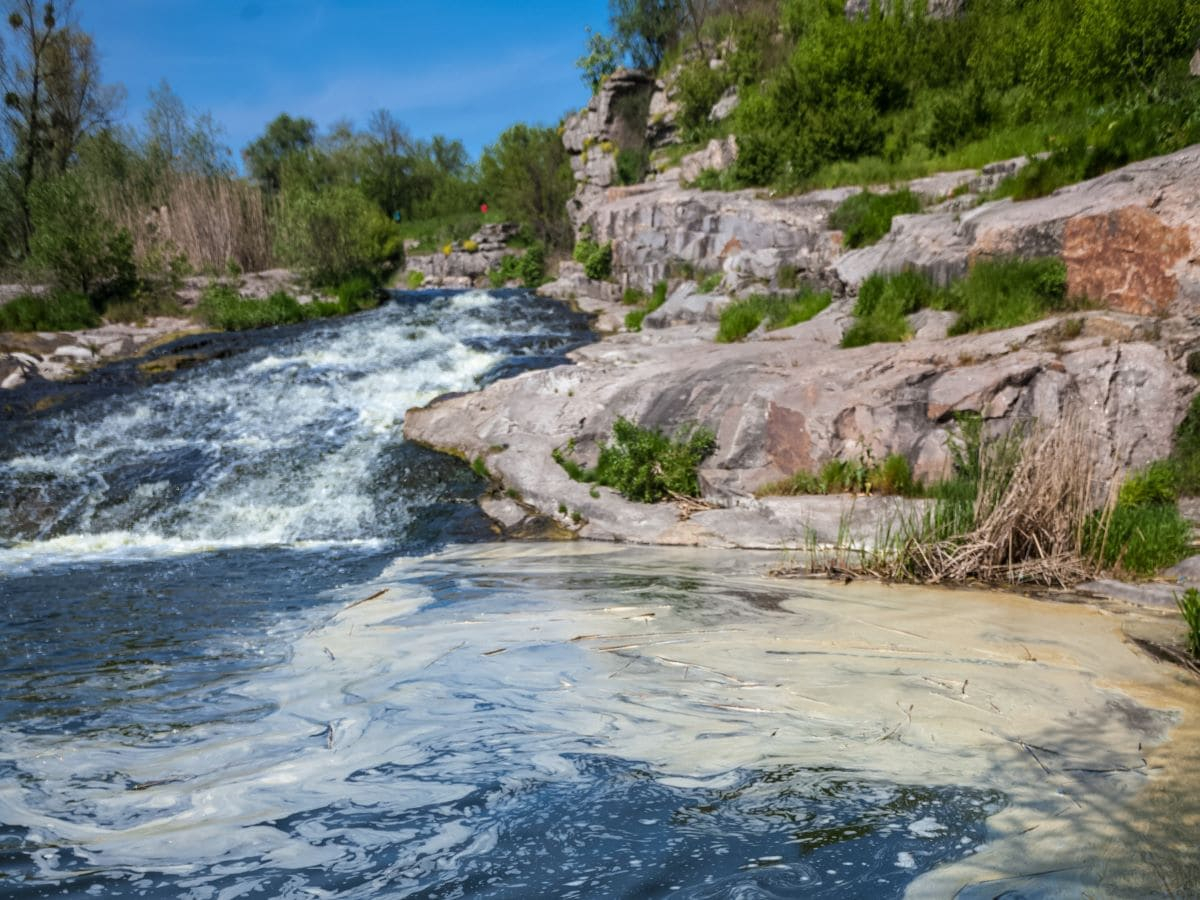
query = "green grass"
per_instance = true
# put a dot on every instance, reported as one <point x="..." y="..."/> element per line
<point x="49" y="312"/>
<point x="222" y="307"/>
<point x="1139" y="540"/>
<point x="892" y="477"/>
<point x="634" y="318"/>
<point x="996" y="294"/>
<point x="710" y="283"/>
<point x="414" y="279"/>
<point x="644" y="464"/>
<point x="744" y="316"/>
<point x="1189" y="608"/>
<point x="1185" y="456"/>
<point x="866" y="217"/>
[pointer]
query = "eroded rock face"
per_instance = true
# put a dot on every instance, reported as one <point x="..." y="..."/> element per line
<point x="614" y="118"/>
<point x="469" y="263"/>
<point x="658" y="228"/>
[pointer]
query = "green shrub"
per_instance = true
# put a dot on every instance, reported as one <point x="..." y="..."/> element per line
<point x="336" y="234"/>
<point x="414" y="279"/>
<point x="996" y="294"/>
<point x="357" y="293"/>
<point x="508" y="270"/>
<point x="744" y="316"/>
<point x="634" y="318"/>
<point x="222" y="307"/>
<point x="58" y="311"/>
<point x="883" y="303"/>
<point x="1189" y="607"/>
<point x="595" y="258"/>
<point x="864" y="218"/>
<point x="532" y="266"/>
<point x="644" y="464"/>
<point x="1152" y="486"/>
<point x="633" y="296"/>
<point x="75" y="245"/>
<point x="710" y="283"/>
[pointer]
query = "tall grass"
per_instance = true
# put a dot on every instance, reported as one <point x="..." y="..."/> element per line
<point x="212" y="221"/>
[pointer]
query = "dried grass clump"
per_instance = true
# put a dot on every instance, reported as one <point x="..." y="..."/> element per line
<point x="1036" y="493"/>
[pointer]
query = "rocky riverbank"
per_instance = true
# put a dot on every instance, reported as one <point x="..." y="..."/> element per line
<point x="793" y="399"/>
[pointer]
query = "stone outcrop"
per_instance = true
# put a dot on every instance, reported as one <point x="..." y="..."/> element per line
<point x="718" y="156"/>
<point x="1130" y="239"/>
<point x="616" y="117"/>
<point x="468" y="263"/>
<point x="937" y="9"/>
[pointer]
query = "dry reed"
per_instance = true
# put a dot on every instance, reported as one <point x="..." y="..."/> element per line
<point x="213" y="221"/>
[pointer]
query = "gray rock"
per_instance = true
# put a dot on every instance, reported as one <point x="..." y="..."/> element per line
<point x="724" y="107"/>
<point x="718" y="156"/>
<point x="687" y="306"/>
<point x="1194" y="66"/>
<point x="931" y="324"/>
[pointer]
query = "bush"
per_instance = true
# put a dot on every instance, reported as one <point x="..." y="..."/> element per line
<point x="336" y="234"/>
<point x="414" y="279"/>
<point x="633" y="320"/>
<point x="81" y="250"/>
<point x="866" y="217"/>
<point x="744" y="316"/>
<point x="883" y="303"/>
<point x="995" y="294"/>
<point x="59" y="311"/>
<point x="222" y="307"/>
<point x="1185" y="456"/>
<point x="644" y="464"/>
<point x="710" y="283"/>
<point x="532" y="267"/>
<point x="595" y="258"/>
<point x="1139" y="540"/>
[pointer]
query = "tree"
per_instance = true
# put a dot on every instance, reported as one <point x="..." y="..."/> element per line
<point x="647" y="29"/>
<point x="599" y="62"/>
<point x="53" y="96"/>
<point x="284" y="137"/>
<point x="527" y="173"/>
<point x="180" y="141"/>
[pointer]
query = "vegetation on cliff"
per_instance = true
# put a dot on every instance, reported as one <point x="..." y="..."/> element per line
<point x="830" y="97"/>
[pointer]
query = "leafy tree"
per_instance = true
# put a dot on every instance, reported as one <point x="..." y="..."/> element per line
<point x="180" y="141"/>
<point x="528" y="174"/>
<point x="599" y="62"/>
<point x="336" y="234"/>
<point x="647" y="29"/>
<point x="52" y="96"/>
<point x="284" y="138"/>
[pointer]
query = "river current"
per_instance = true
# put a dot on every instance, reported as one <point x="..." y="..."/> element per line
<point x="253" y="642"/>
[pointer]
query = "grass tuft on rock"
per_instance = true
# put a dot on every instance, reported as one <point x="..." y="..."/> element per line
<point x="996" y="294"/>
<point x="742" y="317"/>
<point x="892" y="477"/>
<point x="1189" y="608"/>
<point x="646" y="465"/>
<point x="866" y="217"/>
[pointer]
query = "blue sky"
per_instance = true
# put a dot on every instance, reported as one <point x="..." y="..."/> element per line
<point x="465" y="68"/>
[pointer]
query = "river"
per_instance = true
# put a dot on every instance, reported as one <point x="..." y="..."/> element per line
<point x="252" y="641"/>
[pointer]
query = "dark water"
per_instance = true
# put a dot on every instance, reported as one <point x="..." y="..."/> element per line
<point x="193" y="702"/>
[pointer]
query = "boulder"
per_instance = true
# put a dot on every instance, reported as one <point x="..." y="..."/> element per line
<point x="718" y="156"/>
<point x="1194" y="66"/>
<point x="724" y="107"/>
<point x="687" y="306"/>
